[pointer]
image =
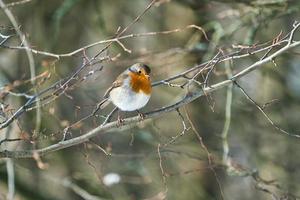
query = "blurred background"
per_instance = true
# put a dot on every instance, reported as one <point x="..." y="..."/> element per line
<point x="262" y="162"/>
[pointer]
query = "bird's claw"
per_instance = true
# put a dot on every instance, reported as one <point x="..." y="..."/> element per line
<point x="141" y="115"/>
<point x="120" y="121"/>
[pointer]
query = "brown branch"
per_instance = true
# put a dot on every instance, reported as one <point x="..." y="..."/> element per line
<point x="223" y="58"/>
<point x="63" y="84"/>
<point x="260" y="108"/>
<point x="184" y="130"/>
<point x="161" y="166"/>
<point x="17" y="3"/>
<point x="114" y="39"/>
<point x="102" y="129"/>
<point x="30" y="58"/>
<point x="209" y="157"/>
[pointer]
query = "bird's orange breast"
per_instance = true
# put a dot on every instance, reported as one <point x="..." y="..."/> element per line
<point x="140" y="83"/>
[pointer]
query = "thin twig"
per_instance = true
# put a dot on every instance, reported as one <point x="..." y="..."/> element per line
<point x="161" y="166"/>
<point x="227" y="122"/>
<point x="101" y="149"/>
<point x="10" y="178"/>
<point x="296" y="25"/>
<point x="9" y="140"/>
<point x="58" y="84"/>
<point x="63" y="84"/>
<point x="29" y="54"/>
<point x="209" y="157"/>
<point x="155" y="113"/>
<point x="118" y="39"/>
<point x="223" y="58"/>
<point x="78" y="190"/>
<point x="184" y="129"/>
<point x="265" y="114"/>
<point x="17" y="3"/>
<point x="10" y="170"/>
<point x="5" y="38"/>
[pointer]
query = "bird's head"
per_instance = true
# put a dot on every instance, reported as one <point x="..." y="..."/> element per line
<point x="140" y="69"/>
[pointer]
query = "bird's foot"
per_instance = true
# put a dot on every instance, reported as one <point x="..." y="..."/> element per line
<point x="120" y="121"/>
<point x="141" y="115"/>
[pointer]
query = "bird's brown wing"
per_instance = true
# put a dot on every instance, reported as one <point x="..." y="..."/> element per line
<point x="117" y="83"/>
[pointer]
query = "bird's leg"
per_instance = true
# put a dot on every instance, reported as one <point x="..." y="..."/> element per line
<point x="141" y="115"/>
<point x="120" y="119"/>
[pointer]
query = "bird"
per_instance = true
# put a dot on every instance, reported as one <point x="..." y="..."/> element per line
<point x="130" y="91"/>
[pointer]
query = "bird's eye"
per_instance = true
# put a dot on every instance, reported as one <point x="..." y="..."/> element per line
<point x="139" y="71"/>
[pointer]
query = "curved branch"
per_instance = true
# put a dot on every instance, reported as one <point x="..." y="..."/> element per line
<point x="77" y="51"/>
<point x="63" y="86"/>
<point x="102" y="129"/>
<point x="59" y="85"/>
<point x="30" y="58"/>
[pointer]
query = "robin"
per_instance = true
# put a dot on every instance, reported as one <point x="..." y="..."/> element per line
<point x="130" y="91"/>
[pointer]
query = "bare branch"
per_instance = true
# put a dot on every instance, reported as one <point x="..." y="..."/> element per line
<point x="79" y="191"/>
<point x="155" y="113"/>
<point x="184" y="129"/>
<point x="63" y="84"/>
<point x="11" y="178"/>
<point x="265" y="114"/>
<point x="30" y="59"/>
<point x="161" y="166"/>
<point x="17" y="3"/>
<point x="114" y="39"/>
<point x="296" y="25"/>
<point x="227" y="115"/>
<point x="60" y="86"/>
<point x="209" y="157"/>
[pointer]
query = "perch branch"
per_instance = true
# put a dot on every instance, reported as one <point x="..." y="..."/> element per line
<point x="102" y="129"/>
<point x="191" y="96"/>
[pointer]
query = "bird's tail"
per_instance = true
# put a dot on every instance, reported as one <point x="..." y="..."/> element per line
<point x="101" y="105"/>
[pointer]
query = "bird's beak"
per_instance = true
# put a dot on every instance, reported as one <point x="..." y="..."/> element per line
<point x="130" y="70"/>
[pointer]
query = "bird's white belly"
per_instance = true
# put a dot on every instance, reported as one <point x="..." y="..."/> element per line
<point x="127" y="100"/>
